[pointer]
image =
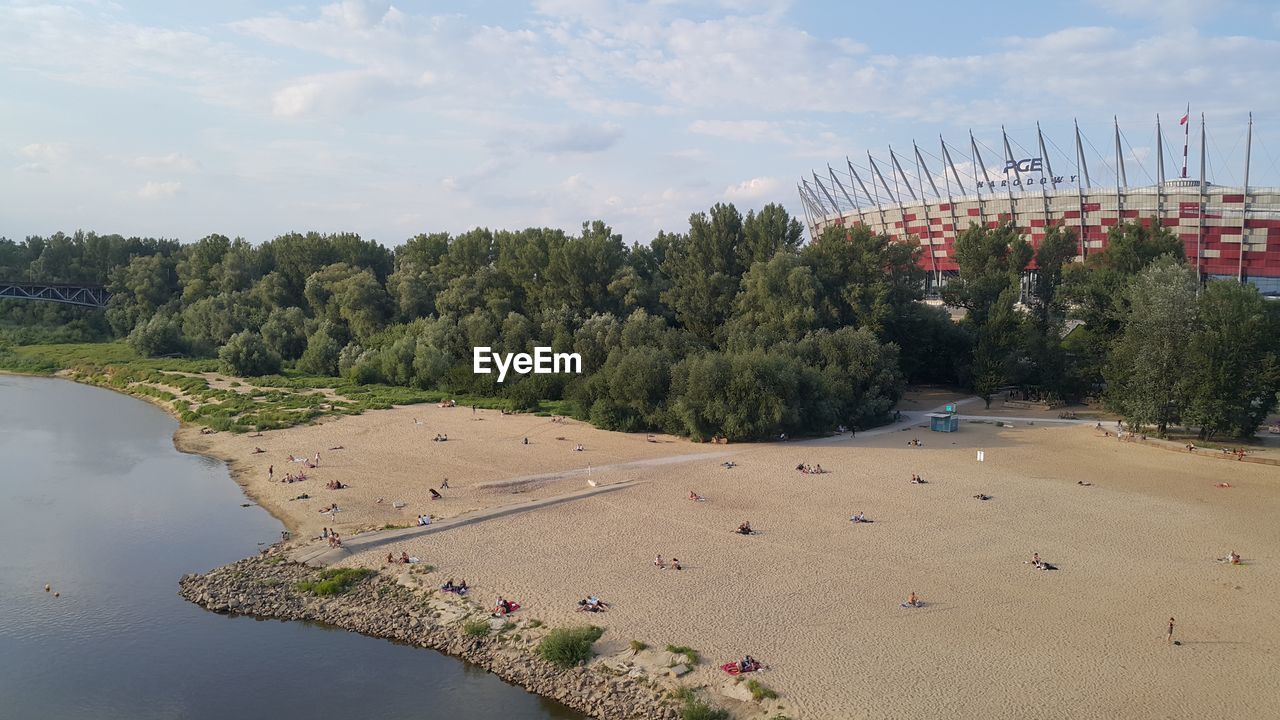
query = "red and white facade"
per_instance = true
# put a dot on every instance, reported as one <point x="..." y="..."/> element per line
<point x="1226" y="231"/>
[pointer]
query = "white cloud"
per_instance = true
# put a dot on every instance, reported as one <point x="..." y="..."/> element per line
<point x="753" y="189"/>
<point x="169" y="161"/>
<point x="45" y="152"/>
<point x="153" y="190"/>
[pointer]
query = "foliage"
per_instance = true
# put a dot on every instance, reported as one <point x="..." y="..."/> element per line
<point x="760" y="692"/>
<point x="637" y="646"/>
<point x="246" y="354"/>
<point x="689" y="653"/>
<point x="694" y="709"/>
<point x="333" y="581"/>
<point x="476" y="628"/>
<point x="1146" y="374"/>
<point x="567" y="647"/>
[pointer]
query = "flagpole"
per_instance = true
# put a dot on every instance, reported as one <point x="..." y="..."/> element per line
<point x="1186" y="139"/>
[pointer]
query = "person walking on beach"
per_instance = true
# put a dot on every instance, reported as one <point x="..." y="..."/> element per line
<point x="1170" y="637"/>
<point x="271" y="472"/>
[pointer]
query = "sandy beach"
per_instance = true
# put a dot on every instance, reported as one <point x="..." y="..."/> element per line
<point x="817" y="597"/>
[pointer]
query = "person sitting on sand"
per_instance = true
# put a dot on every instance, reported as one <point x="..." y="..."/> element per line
<point x="424" y="520"/>
<point x="404" y="557"/>
<point x="817" y="469"/>
<point x="859" y="518"/>
<point x="578" y="448"/>
<point x="390" y="559"/>
<point x="444" y="485"/>
<point x="912" y="601"/>
<point x="502" y="607"/>
<point x="748" y="664"/>
<point x="695" y="496"/>
<point x="1232" y="558"/>
<point x="800" y="468"/>
<point x="435" y="495"/>
<point x="675" y="564"/>
<point x="448" y="585"/>
<point x="745" y="528"/>
<point x="917" y="480"/>
<point x="660" y="563"/>
<point x="729" y="464"/>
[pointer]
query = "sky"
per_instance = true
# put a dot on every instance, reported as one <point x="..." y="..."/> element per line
<point x="253" y="119"/>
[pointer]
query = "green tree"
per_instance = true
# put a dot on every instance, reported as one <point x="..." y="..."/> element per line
<point x="1234" y="366"/>
<point x="1146" y="373"/>
<point x="246" y="355"/>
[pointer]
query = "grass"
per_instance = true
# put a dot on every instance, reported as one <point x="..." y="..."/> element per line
<point x="567" y="647"/>
<point x="285" y="400"/>
<point x="334" y="581"/>
<point x="694" y="709"/>
<point x="689" y="653"/>
<point x="637" y="647"/>
<point x="760" y="692"/>
<point x="476" y="628"/>
<point x="534" y="624"/>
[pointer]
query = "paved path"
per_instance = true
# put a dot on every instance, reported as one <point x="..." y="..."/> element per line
<point x="319" y="554"/>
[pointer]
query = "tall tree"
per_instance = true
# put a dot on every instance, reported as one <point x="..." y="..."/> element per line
<point x="1146" y="373"/>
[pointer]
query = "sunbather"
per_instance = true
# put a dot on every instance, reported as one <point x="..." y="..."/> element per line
<point x="745" y="528"/>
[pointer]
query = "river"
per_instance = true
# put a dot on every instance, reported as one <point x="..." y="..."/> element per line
<point x="96" y="502"/>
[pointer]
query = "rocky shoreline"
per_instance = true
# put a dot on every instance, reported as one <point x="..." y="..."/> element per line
<point x="266" y="587"/>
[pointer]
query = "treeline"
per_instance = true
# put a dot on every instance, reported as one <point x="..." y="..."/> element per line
<point x="1145" y="336"/>
<point x="734" y="327"/>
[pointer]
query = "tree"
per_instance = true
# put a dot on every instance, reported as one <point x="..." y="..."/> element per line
<point x="246" y="355"/>
<point x="285" y="332"/>
<point x="1234" y="366"/>
<point x="321" y="355"/>
<point x="1146" y="374"/>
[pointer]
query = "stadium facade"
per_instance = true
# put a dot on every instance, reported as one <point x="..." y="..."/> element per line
<point x="1228" y="232"/>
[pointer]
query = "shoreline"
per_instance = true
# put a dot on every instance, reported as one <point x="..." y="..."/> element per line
<point x="381" y="607"/>
<point x="235" y="589"/>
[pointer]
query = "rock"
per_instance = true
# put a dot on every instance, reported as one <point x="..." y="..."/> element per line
<point x="736" y="691"/>
<point x="680" y="670"/>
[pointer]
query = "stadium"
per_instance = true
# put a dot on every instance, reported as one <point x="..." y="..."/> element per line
<point x="1228" y="231"/>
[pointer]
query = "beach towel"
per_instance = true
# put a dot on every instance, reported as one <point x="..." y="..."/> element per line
<point x="734" y="668"/>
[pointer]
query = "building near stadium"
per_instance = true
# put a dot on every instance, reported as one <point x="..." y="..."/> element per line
<point x="1228" y="231"/>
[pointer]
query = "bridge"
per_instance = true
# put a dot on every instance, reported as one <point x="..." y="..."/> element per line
<point x="94" y="296"/>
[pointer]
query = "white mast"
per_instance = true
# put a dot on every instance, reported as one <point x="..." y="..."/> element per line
<point x="1244" y="210"/>
<point x="1084" y="172"/>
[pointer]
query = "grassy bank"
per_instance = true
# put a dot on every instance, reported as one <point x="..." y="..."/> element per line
<point x="196" y="393"/>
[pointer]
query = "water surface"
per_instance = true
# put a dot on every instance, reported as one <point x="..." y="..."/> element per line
<point x="95" y="501"/>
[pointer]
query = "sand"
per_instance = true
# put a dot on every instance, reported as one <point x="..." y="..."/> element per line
<point x="816" y="597"/>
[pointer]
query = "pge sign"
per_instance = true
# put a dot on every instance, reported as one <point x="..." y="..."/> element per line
<point x="1024" y="165"/>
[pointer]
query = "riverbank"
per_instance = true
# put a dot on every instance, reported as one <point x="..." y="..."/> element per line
<point x="812" y="595"/>
<point x="380" y="606"/>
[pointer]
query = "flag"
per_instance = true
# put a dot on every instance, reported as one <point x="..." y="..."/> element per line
<point x="1184" y="119"/>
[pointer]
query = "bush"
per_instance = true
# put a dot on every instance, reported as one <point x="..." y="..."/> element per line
<point x="334" y="581"/>
<point x="247" y="355"/>
<point x="760" y="692"/>
<point x="698" y="710"/>
<point x="689" y="653"/>
<point x="476" y="628"/>
<point x="637" y="646"/>
<point x="568" y="647"/>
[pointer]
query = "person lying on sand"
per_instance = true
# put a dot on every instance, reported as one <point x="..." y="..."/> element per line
<point x="917" y="480"/>
<point x="502" y="607"/>
<point x="982" y="496"/>
<point x="435" y="495"/>
<point x="729" y="464"/>
<point x="859" y="518"/>
<point x="592" y="604"/>
<point x="258" y="450"/>
<point x="695" y="496"/>
<point x="1232" y="558"/>
<point x="675" y="564"/>
<point x="1085" y="484"/>
<point x="745" y="528"/>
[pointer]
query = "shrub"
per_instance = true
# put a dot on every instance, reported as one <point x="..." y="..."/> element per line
<point x="333" y="581"/>
<point x="689" y="653"/>
<point x="637" y="646"/>
<point x="760" y="692"/>
<point x="568" y="647"/>
<point x="698" y="710"/>
<point x="245" y="354"/>
<point x="476" y="628"/>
